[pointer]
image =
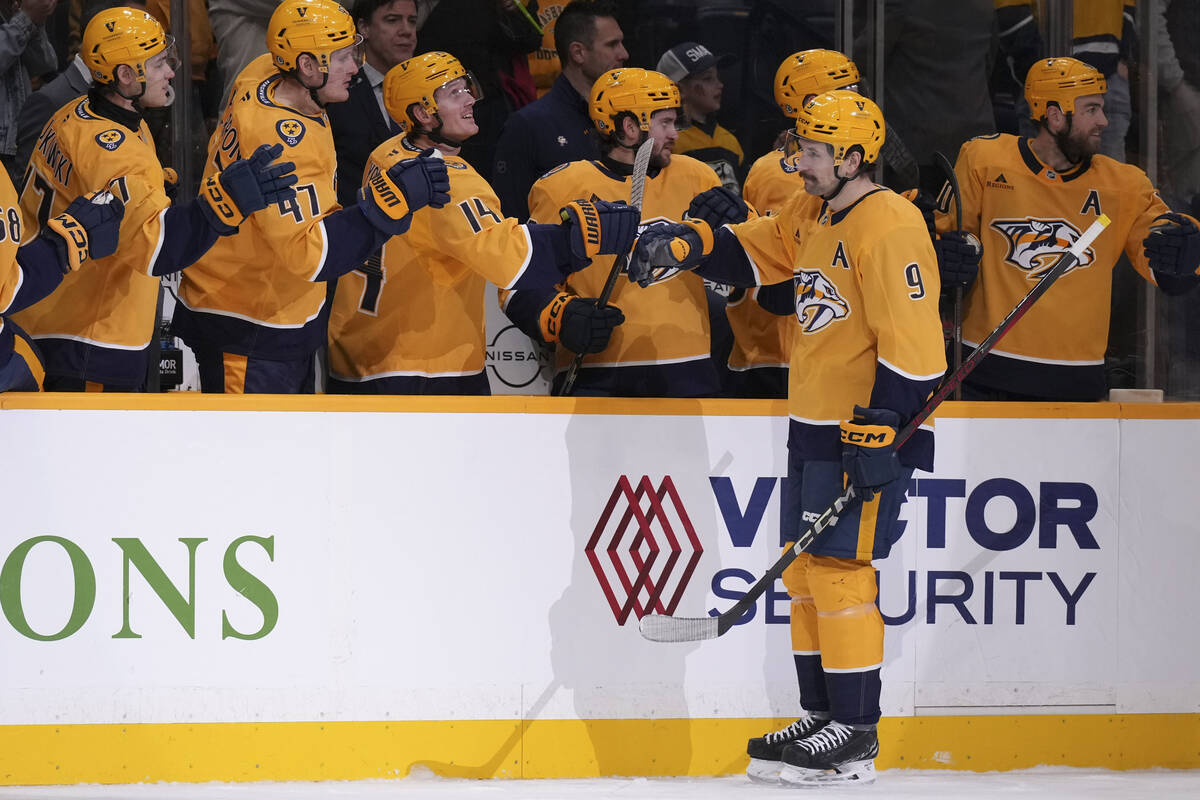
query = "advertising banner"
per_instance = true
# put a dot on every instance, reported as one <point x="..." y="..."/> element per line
<point x="251" y="566"/>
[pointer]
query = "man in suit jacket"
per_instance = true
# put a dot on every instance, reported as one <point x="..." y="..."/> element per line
<point x="389" y="31"/>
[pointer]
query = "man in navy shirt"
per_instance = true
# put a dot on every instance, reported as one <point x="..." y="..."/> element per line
<point x="556" y="129"/>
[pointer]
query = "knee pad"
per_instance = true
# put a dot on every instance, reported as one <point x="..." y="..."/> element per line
<point x="848" y="621"/>
<point x="803" y="608"/>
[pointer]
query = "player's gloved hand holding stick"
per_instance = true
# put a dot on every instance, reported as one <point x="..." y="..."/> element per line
<point x="580" y="324"/>
<point x="88" y="228"/>
<point x="958" y="255"/>
<point x="390" y="196"/>
<point x="245" y="186"/>
<point x="869" y="456"/>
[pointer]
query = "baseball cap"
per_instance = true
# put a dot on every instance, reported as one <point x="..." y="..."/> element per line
<point x="687" y="59"/>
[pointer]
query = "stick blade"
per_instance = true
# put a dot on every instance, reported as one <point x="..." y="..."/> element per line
<point x="661" y="628"/>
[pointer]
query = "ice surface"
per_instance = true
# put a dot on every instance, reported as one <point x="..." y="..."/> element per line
<point x="1059" y="783"/>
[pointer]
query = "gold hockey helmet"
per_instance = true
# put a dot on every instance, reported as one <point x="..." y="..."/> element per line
<point x="630" y="90"/>
<point x="1060" y="81"/>
<point x="417" y="79"/>
<point x="119" y="36"/>
<point x="811" y="72"/>
<point x="843" y="119"/>
<point x="316" y="27"/>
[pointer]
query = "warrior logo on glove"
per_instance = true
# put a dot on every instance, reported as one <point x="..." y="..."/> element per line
<point x="1034" y="245"/>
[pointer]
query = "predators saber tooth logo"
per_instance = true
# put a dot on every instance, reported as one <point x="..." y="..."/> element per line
<point x="1034" y="245"/>
<point x="818" y="303"/>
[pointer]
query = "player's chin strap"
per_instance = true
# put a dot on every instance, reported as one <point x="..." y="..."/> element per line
<point x="633" y="148"/>
<point x="312" y="90"/>
<point x="436" y="136"/>
<point x="843" y="181"/>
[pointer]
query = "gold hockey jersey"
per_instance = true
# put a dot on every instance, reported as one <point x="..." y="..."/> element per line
<point x="423" y="314"/>
<point x="110" y="302"/>
<point x="12" y="276"/>
<point x="866" y="303"/>
<point x="760" y="338"/>
<point x="1026" y="215"/>
<point x="266" y="273"/>
<point x="666" y="323"/>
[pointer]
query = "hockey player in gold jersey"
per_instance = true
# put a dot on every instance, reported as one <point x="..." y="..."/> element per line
<point x="255" y="308"/>
<point x="94" y="330"/>
<point x="758" y="362"/>
<point x="661" y="348"/>
<point x="1028" y="200"/>
<point x="87" y="229"/>
<point x="413" y="323"/>
<point x="866" y="356"/>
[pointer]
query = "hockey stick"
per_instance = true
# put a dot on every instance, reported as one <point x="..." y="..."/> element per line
<point x="637" y="187"/>
<point x="662" y="628"/>
<point x="952" y="180"/>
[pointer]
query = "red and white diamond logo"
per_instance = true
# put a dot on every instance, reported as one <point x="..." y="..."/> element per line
<point x="640" y="571"/>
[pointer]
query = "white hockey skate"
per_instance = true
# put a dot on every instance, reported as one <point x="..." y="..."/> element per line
<point x="765" y="751"/>
<point x="835" y="754"/>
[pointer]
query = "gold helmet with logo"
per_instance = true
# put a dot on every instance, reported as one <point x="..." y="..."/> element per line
<point x="842" y="119"/>
<point x="119" y="36"/>
<point x="415" y="80"/>
<point x="1060" y="81"/>
<point x="316" y="27"/>
<point x="630" y="90"/>
<point x="810" y="72"/>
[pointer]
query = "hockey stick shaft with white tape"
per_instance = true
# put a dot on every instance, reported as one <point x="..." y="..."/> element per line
<point x="662" y="628"/>
<point x="637" y="189"/>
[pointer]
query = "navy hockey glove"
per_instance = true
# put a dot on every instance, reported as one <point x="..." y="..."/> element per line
<point x="664" y="250"/>
<point x="599" y="228"/>
<point x="390" y="197"/>
<point x="1173" y="248"/>
<point x="718" y="206"/>
<point x="869" y="456"/>
<point x="958" y="254"/>
<point x="245" y="186"/>
<point x="88" y="228"/>
<point x="582" y="327"/>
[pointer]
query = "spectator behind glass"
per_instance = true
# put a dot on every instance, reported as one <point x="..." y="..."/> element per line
<point x="241" y="30"/>
<point x="24" y="51"/>
<point x="485" y="35"/>
<point x="694" y="68"/>
<point x="72" y="82"/>
<point x="557" y="129"/>
<point x="389" y="31"/>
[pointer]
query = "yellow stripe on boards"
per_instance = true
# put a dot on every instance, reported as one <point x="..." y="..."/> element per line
<point x="531" y="404"/>
<point x="310" y="751"/>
